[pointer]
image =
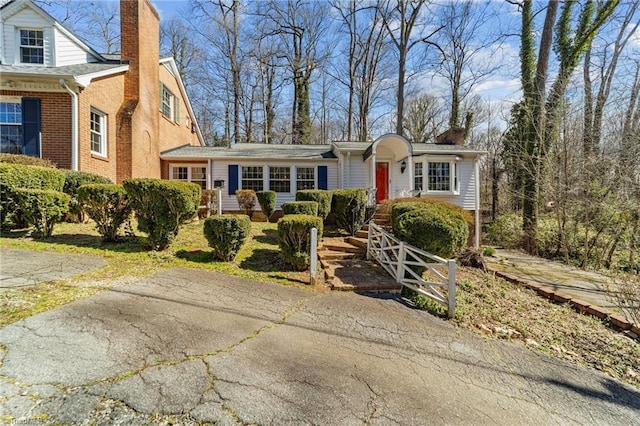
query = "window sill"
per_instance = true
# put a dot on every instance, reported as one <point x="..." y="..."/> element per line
<point x="439" y="193"/>
<point x="98" y="156"/>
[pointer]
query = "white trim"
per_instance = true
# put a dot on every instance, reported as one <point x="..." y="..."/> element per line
<point x="454" y="174"/>
<point x="103" y="123"/>
<point x="189" y="167"/>
<point x="85" y="79"/>
<point x="74" y="125"/>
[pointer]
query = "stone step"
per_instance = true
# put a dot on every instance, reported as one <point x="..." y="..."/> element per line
<point x="359" y="276"/>
<point x="362" y="233"/>
<point x="358" y="242"/>
<point x="335" y="255"/>
<point x="342" y="246"/>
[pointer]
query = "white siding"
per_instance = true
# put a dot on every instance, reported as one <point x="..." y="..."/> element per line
<point x="467" y="185"/>
<point x="357" y="172"/>
<point x="68" y="52"/>
<point x="26" y="18"/>
<point x="220" y="170"/>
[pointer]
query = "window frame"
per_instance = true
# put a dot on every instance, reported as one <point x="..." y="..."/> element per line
<point x="30" y="46"/>
<point x="256" y="187"/>
<point x="313" y="180"/>
<point x="13" y="124"/>
<point x="102" y="132"/>
<point x="454" y="180"/>
<point x="417" y="175"/>
<point x="203" y="183"/>
<point x="286" y="179"/>
<point x="169" y="107"/>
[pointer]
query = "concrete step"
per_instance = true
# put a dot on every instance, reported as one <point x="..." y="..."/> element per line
<point x="342" y="246"/>
<point x="358" y="242"/>
<point x="335" y="255"/>
<point x="359" y="276"/>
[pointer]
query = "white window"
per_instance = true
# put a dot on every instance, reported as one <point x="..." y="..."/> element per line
<point x="98" y="132"/>
<point x="280" y="179"/>
<point x="169" y="104"/>
<point x="11" y="127"/>
<point x="31" y="46"/>
<point x="305" y="178"/>
<point x="187" y="173"/>
<point x="252" y="178"/>
<point x="418" y="176"/>
<point x="436" y="175"/>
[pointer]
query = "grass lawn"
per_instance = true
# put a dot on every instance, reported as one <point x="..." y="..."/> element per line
<point x="258" y="260"/>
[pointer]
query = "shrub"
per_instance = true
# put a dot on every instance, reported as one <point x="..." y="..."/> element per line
<point x="107" y="205"/>
<point x="349" y="208"/>
<point x="72" y="181"/>
<point x="387" y="206"/>
<point x="161" y="206"/>
<point x="209" y="200"/>
<point x="323" y="198"/>
<point x="294" y="238"/>
<point x="506" y="231"/>
<point x="226" y="234"/>
<point x="42" y="208"/>
<point x="300" y="207"/>
<point x="267" y="200"/>
<point x="246" y="200"/>
<point x="433" y="228"/>
<point x="26" y="160"/>
<point x="14" y="176"/>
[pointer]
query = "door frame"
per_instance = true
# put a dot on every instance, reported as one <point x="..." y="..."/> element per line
<point x="387" y="182"/>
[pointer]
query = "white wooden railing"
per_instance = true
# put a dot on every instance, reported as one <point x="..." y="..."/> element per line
<point x="397" y="258"/>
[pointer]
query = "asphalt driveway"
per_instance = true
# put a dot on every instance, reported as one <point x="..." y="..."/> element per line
<point x="198" y="345"/>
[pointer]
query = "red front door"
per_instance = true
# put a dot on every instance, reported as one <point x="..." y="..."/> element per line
<point x="382" y="182"/>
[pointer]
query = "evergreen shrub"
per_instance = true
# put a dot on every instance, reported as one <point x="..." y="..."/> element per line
<point x="42" y="208"/>
<point x="108" y="205"/>
<point x="349" y="208"/>
<point x="74" y="180"/>
<point x="300" y="207"/>
<point x="26" y="160"/>
<point x="267" y="200"/>
<point x="246" y="201"/>
<point x="161" y="206"/>
<point x="320" y="196"/>
<point x="294" y="238"/>
<point x="226" y="235"/>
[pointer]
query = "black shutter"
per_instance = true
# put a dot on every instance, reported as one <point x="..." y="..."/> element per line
<point x="31" y="126"/>
<point x="233" y="179"/>
<point x="322" y="177"/>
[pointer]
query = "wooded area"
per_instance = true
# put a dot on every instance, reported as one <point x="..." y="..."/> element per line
<point x="563" y="168"/>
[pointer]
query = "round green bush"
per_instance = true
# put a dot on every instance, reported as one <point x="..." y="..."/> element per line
<point x="226" y="234"/>
<point x="267" y="201"/>
<point x="107" y="205"/>
<point x="300" y="207"/>
<point x="294" y="238"/>
<point x="42" y="208"/>
<point x="26" y="160"/>
<point x="161" y="206"/>
<point x="320" y="196"/>
<point x="74" y="180"/>
<point x="435" y="229"/>
<point x="349" y="208"/>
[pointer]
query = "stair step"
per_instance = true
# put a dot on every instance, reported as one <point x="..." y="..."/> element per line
<point x="359" y="276"/>
<point x="342" y="246"/>
<point x="363" y="233"/>
<point x="335" y="255"/>
<point x="358" y="242"/>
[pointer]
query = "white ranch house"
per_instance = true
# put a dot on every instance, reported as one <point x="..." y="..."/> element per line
<point x="390" y="167"/>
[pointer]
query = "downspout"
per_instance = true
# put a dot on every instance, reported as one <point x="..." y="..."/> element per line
<point x="74" y="125"/>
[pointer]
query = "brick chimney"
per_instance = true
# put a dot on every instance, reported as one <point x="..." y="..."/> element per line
<point x="138" y="145"/>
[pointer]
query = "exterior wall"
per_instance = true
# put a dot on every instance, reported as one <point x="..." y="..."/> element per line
<point x="68" y="52"/>
<point x="174" y="134"/>
<point x="26" y="18"/>
<point x="105" y="95"/>
<point x="140" y="45"/>
<point x="357" y="172"/>
<point x="467" y="184"/>
<point x="55" y="126"/>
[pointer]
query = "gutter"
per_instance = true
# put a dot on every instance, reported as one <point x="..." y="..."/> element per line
<point x="74" y="125"/>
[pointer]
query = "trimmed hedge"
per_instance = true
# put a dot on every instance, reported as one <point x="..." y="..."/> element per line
<point x="246" y="200"/>
<point x="14" y="176"/>
<point x="294" y="238"/>
<point x="387" y="206"/>
<point x="226" y="235"/>
<point x="434" y="228"/>
<point x="300" y="207"/>
<point x="267" y="201"/>
<point x="26" y="160"/>
<point x="161" y="206"/>
<point x="320" y="196"/>
<point x="74" y="180"/>
<point x="107" y="205"/>
<point x="349" y="208"/>
<point x="42" y="208"/>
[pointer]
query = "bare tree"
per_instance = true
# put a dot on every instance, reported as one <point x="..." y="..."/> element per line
<point x="425" y="118"/>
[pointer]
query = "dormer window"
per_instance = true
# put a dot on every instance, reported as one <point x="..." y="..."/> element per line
<point x="31" y="46"/>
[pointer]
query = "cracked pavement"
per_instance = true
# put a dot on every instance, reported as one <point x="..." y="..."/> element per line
<point x="191" y="345"/>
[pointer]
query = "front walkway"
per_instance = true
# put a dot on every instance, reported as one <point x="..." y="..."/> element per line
<point x="586" y="290"/>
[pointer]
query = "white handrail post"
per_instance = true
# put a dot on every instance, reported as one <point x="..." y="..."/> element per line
<point x="219" y="201"/>
<point x="452" y="288"/>
<point x="369" y="244"/>
<point x="313" y="255"/>
<point x="400" y="266"/>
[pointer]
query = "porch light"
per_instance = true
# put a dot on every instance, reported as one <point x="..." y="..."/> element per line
<point x="403" y="166"/>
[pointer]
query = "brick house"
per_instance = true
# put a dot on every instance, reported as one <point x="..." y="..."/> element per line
<point x="105" y="114"/>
